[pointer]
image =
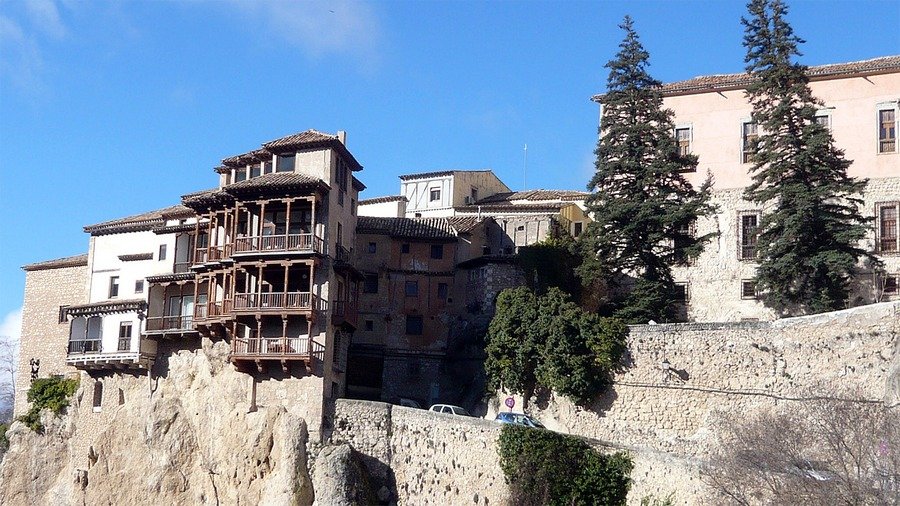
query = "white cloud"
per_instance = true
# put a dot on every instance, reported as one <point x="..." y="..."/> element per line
<point x="45" y="17"/>
<point x="319" y="27"/>
<point x="21" y="62"/>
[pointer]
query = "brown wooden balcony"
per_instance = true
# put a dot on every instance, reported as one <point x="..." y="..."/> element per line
<point x="169" y="324"/>
<point x="212" y="311"/>
<point x="275" y="347"/>
<point x="282" y="243"/>
<point x="212" y="254"/>
<point x="274" y="301"/>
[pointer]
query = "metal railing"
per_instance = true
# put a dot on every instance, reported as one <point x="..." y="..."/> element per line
<point x="157" y="323"/>
<point x="84" y="346"/>
<point x="274" y="300"/>
<point x="124" y="344"/>
<point x="281" y="242"/>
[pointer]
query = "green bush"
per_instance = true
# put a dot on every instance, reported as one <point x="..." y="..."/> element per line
<point x="544" y="467"/>
<point x="4" y="441"/>
<point x="47" y="393"/>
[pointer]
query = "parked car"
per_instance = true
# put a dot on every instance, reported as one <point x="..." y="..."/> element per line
<point x="449" y="409"/>
<point x="519" y="419"/>
<point x="409" y="403"/>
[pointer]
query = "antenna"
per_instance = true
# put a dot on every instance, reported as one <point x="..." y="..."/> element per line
<point x="525" y="169"/>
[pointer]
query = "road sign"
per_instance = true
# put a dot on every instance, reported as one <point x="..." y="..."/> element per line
<point x="510" y="403"/>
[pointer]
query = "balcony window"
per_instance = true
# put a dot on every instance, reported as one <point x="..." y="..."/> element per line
<point x="255" y="170"/>
<point x="124" y="336"/>
<point x="285" y="163"/>
<point x="113" y="287"/>
<point x="240" y="175"/>
<point x="683" y="137"/>
<point x="887" y="130"/>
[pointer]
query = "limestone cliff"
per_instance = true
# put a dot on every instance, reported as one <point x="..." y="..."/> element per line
<point x="188" y="436"/>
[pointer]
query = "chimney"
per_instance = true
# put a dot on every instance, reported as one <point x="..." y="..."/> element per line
<point x="342" y="136"/>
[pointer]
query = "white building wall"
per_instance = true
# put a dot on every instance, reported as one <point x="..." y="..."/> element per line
<point x="418" y="193"/>
<point x="395" y="209"/>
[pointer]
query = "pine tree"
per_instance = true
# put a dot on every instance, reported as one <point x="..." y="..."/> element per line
<point x="640" y="202"/>
<point x="811" y="227"/>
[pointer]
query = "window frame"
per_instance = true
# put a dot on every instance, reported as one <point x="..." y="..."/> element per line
<point x="740" y="235"/>
<point x="434" y="194"/>
<point x="139" y="286"/>
<point x="113" y="287"/>
<point x="893" y="107"/>
<point x="443" y="291"/>
<point x="687" y="292"/>
<point x="744" y="284"/>
<point x="745" y="152"/>
<point x="879" y="228"/>
<point x="689" y="127"/>
<point x="125" y="333"/>
<point x="163" y="252"/>
<point x="411" y="288"/>
<point x="372" y="248"/>
<point x="437" y="252"/>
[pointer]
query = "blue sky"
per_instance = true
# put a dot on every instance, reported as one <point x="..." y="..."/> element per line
<point x="114" y="108"/>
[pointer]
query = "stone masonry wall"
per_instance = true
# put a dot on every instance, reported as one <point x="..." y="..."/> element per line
<point x="747" y="366"/>
<point x="43" y="337"/>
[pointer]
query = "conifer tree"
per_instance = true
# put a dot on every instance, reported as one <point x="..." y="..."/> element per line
<point x="640" y="202"/>
<point x="811" y="227"/>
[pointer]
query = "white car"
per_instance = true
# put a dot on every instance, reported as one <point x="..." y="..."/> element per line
<point x="449" y="409"/>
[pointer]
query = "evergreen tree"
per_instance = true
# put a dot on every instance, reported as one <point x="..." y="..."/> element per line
<point x="811" y="227"/>
<point x="640" y="200"/>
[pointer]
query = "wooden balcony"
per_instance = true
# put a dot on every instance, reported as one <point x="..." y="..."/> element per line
<point x="275" y="302"/>
<point x="259" y="351"/>
<point x="283" y="243"/>
<point x="212" y="311"/>
<point x="212" y="254"/>
<point x="169" y="325"/>
<point x="88" y="354"/>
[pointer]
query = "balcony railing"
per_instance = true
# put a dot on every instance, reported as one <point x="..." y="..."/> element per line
<point x="124" y="344"/>
<point x="274" y="300"/>
<point x="277" y="243"/>
<point x="272" y="346"/>
<point x="343" y="254"/>
<point x="211" y="254"/>
<point x="84" y="346"/>
<point x="162" y="323"/>
<point x="212" y="310"/>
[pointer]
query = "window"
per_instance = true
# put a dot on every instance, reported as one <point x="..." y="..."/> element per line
<point x="267" y="167"/>
<point x="285" y="163"/>
<point x="748" y="289"/>
<point x="749" y="138"/>
<point x="372" y="247"/>
<point x="240" y="175"/>
<point x="681" y="293"/>
<point x="474" y="194"/>
<point x="890" y="285"/>
<point x="749" y="231"/>
<point x="353" y="206"/>
<point x="63" y="313"/>
<point x="683" y="137"/>
<point x="824" y="119"/>
<point x="370" y="326"/>
<point x="404" y="248"/>
<point x="412" y="288"/>
<point x="255" y="170"/>
<point x="370" y="283"/>
<point x="341" y="198"/>
<point x="437" y="251"/>
<point x="124" y="336"/>
<point x="887" y="227"/>
<point x="414" y="325"/>
<point x="887" y="130"/>
<point x="98" y="396"/>
<point x="113" y="287"/>
<point x="434" y="195"/>
<point x="683" y="238"/>
<point x="443" y="291"/>
<point x="162" y="252"/>
<point x="139" y="286"/>
<point x="577" y="229"/>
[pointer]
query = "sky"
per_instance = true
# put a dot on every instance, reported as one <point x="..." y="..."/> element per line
<point x="109" y="109"/>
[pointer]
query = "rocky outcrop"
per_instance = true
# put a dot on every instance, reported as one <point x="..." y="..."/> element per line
<point x="340" y="478"/>
<point x="189" y="436"/>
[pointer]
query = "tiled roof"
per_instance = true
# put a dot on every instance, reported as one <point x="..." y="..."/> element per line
<point x="507" y="208"/>
<point x="59" y="263"/>
<point x="272" y="181"/>
<point x="302" y="140"/>
<point x="107" y="307"/>
<point x="534" y="196"/>
<point x="407" y="228"/>
<point x="382" y="200"/>
<point x="721" y="82"/>
<point x="463" y="224"/>
<point x="357" y="184"/>
<point x="138" y="222"/>
<point x="429" y="175"/>
<point x="201" y="199"/>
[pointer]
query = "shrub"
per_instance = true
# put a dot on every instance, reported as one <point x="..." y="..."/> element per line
<point x="47" y="393"/>
<point x="4" y="441"/>
<point x="544" y="467"/>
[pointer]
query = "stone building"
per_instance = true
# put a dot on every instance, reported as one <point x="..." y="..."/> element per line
<point x="712" y="116"/>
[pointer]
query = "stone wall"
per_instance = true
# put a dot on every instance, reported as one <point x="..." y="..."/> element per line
<point x="714" y="279"/>
<point x="43" y="336"/>
<point x="679" y="376"/>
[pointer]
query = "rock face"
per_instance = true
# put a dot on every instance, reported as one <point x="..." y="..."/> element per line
<point x="340" y="478"/>
<point x="188" y="436"/>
